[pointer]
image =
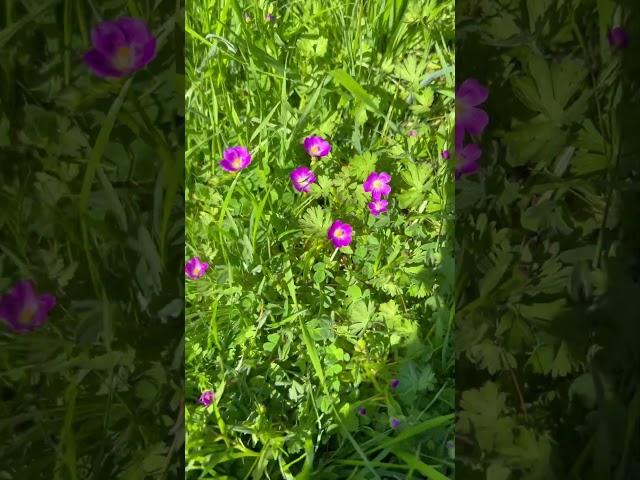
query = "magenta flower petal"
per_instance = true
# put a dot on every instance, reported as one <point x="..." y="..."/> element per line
<point x="385" y="177"/>
<point x="108" y="38"/>
<point x="467" y="160"/>
<point x="377" y="184"/>
<point x="235" y="159"/>
<point x="135" y="30"/>
<point x="207" y="398"/>
<point x="446" y="155"/>
<point x="147" y="53"/>
<point x="195" y="269"/>
<point x="100" y="64"/>
<point x="412" y="133"/>
<point x="618" y="38"/>
<point x="472" y="92"/>
<point x="120" y="47"/>
<point x="23" y="310"/>
<point x="317" y="146"/>
<point x="473" y="120"/>
<point x="468" y="96"/>
<point x="377" y="207"/>
<point x="340" y="234"/>
<point x="302" y="178"/>
<point x="142" y="41"/>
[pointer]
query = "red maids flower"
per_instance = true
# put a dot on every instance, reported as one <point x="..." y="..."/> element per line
<point x="22" y="310"/>
<point x="207" y="398"/>
<point x="618" y="38"/>
<point x="235" y="159"/>
<point x="467" y="159"/>
<point x="317" y="146"/>
<point x="377" y="184"/>
<point x="302" y="178"/>
<point x="120" y="47"/>
<point x="468" y="117"/>
<point x="377" y="207"/>
<point x="340" y="233"/>
<point x="195" y="269"/>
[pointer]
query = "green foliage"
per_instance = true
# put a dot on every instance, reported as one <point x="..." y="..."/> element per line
<point x="293" y="336"/>
<point x="543" y="246"/>
<point x="91" y="211"/>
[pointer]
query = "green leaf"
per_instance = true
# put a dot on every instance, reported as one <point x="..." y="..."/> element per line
<point x="348" y="417"/>
<point x="272" y="343"/>
<point x="360" y="313"/>
<point x="344" y="79"/>
<point x="416" y="176"/>
<point x="483" y="414"/>
<point x="363" y="164"/>
<point x="497" y="471"/>
<point x="316" y="222"/>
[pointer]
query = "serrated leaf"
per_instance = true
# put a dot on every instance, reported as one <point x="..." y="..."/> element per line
<point x="315" y="222"/>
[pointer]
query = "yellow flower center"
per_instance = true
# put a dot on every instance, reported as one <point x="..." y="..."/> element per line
<point x="197" y="269"/>
<point x="315" y="150"/>
<point x="339" y="233"/>
<point x="377" y="183"/>
<point x="123" y="59"/>
<point x="236" y="163"/>
<point x="26" y="316"/>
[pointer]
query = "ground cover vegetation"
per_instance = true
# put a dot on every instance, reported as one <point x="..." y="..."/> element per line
<point x="547" y="241"/>
<point x="319" y="257"/>
<point x="91" y="240"/>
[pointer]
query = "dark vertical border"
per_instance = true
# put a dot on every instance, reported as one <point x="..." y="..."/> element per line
<point x="92" y="217"/>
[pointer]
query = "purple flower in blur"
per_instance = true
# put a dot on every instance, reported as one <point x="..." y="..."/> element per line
<point x="394" y="383"/>
<point x="395" y="423"/>
<point x="618" y="38"/>
<point x="207" y="398"/>
<point x="195" y="269"/>
<point x="449" y="444"/>
<point x="120" y="47"/>
<point x="270" y="18"/>
<point x="446" y="155"/>
<point x="467" y="159"/>
<point x="362" y="411"/>
<point x="317" y="146"/>
<point x="340" y="233"/>
<point x="377" y="184"/>
<point x="23" y="310"/>
<point x="468" y="117"/>
<point x="235" y="159"/>
<point x="412" y="133"/>
<point x="302" y="178"/>
<point x="377" y="207"/>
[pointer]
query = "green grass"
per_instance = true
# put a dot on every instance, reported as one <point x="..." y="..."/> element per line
<point x="293" y="336"/>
